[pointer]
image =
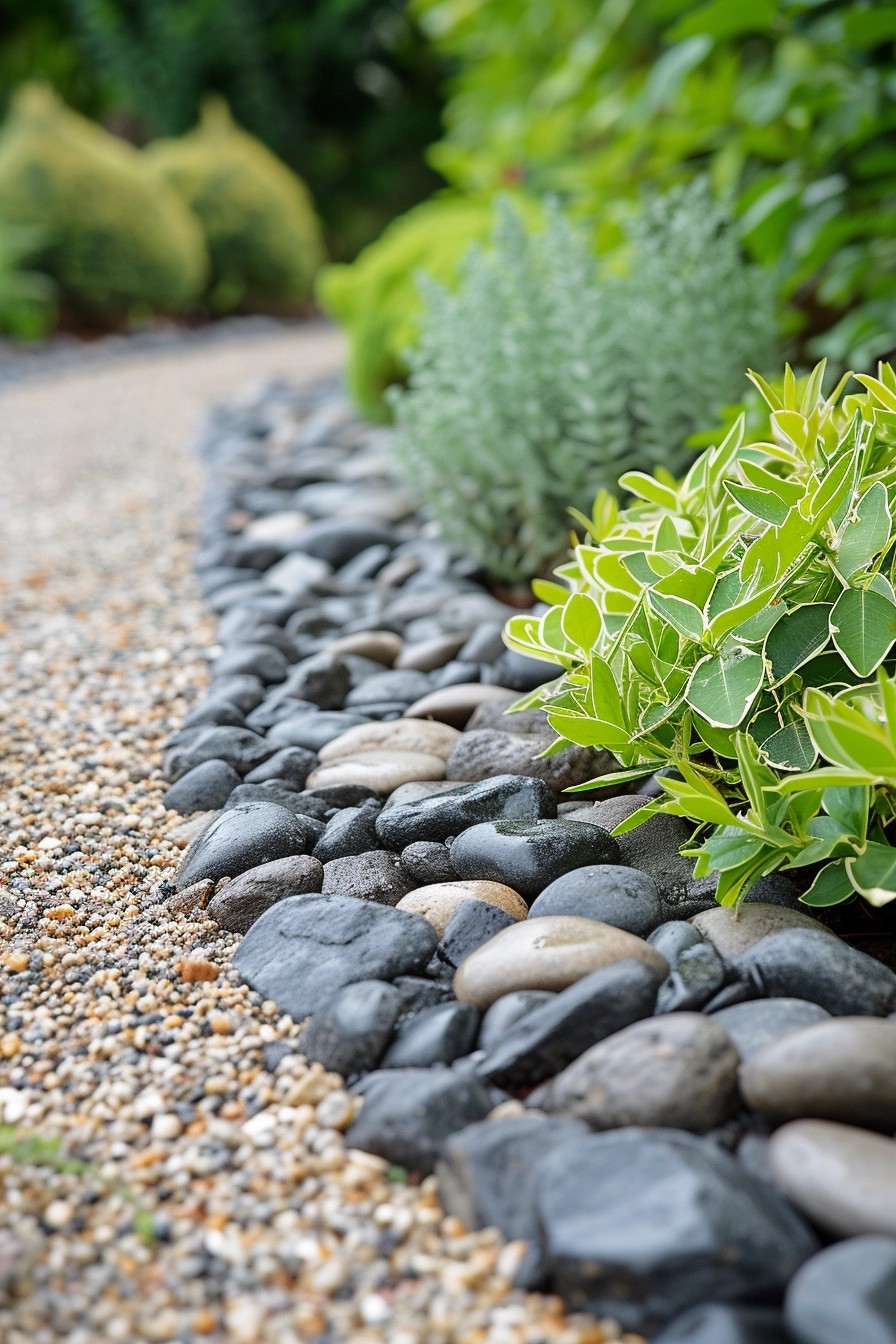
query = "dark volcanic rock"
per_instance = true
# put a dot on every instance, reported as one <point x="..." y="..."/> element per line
<point x="306" y="947"/>
<point x="529" y="856"/>
<point x="436" y="1035"/>
<point x="323" y="679"/>
<point x="243" y="838"/>
<point x="619" y="896"/>
<point x="349" y="1033"/>
<point x="713" y="1323"/>
<point x="372" y="876"/>
<point x="239" y="747"/>
<point x="242" y="900"/>
<point x="803" y="964"/>
<point x="205" y="788"/>
<point x="474" y="924"/>
<point x="290" y="765"/>
<point x="409" y="1113"/>
<point x="351" y="831"/>
<point x="642" y="1224"/>
<point x="550" y="1037"/>
<point x="427" y="862"/>
<point x="312" y="730"/>
<point x="451" y="811"/>
<point x="697" y="975"/>
<point x="487" y="1171"/>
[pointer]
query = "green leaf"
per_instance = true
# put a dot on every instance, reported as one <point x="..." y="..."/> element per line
<point x="873" y="874"/>
<point x="683" y="616"/>
<point x="796" y="638"/>
<point x="546" y="591"/>
<point x="863" y="626"/>
<point x="790" y="748"/>
<point x="581" y="621"/>
<point x="790" y="492"/>
<point x="849" y="807"/>
<point x="867" y="534"/>
<point x="723" y="686"/>
<point x="588" y="732"/>
<point x="846" y="738"/>
<point x="649" y="488"/>
<point x="831" y="887"/>
<point x="762" y="504"/>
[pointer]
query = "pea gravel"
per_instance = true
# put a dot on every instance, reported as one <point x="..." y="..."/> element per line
<point x="162" y="1177"/>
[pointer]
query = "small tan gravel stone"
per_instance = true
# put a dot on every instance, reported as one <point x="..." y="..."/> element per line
<point x="381" y="645"/>
<point x="440" y="901"/>
<point x="426" y="736"/>
<point x="381" y="771"/>
<point x="551" y="952"/>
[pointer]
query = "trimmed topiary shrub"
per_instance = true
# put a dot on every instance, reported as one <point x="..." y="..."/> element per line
<point x="542" y="377"/>
<point x="377" y="299"/>
<point x="116" y="240"/>
<point x="263" y="236"/>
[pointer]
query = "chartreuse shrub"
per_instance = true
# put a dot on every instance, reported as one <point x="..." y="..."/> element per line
<point x="115" y="240"/>
<point x="543" y="375"/>
<point x="27" y="298"/>
<point x="376" y="297"/>
<point x="726" y="630"/>
<point x="786" y="103"/>
<point x="263" y="236"/>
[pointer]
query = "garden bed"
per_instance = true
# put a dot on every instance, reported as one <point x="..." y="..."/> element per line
<point x="681" y="1108"/>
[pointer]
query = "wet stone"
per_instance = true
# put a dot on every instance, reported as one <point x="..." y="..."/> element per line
<point x="350" y="831"/>
<point x="846" y="1292"/>
<point x="529" y="856"/>
<point x="372" y="876"/>
<point x="697" y="975"/>
<point x="312" y="730"/>
<point x="474" y="924"/>
<point x="507" y="1011"/>
<point x="239" y="902"/>
<point x="290" y="765"/>
<point x="760" y="1022"/>
<point x="732" y="932"/>
<point x="674" y="937"/>
<point x="713" y="1323"/>
<point x="616" y="895"/>
<point x="452" y="811"/>
<point x="243" y="838"/>
<point x="803" y="964"/>
<point x="239" y="747"/>
<point x="306" y="947"/>
<point x="205" y="788"/>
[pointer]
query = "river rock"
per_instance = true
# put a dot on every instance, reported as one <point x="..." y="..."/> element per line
<point x="479" y="754"/>
<point x="653" y="848"/>
<point x="382" y="771"/>
<point x="312" y="730"/>
<point x="550" y="1036"/>
<point x="440" y="902"/>
<point x="507" y="1011"/>
<point x="205" y="788"/>
<point x="381" y="645"/>
<point x="758" y="1023"/>
<point x="806" y="964"/>
<point x="640" y="1225"/>
<point x="453" y="704"/>
<point x="550" y="953"/>
<point x="397" y="684"/>
<point x="714" y="1323"/>
<point x="475" y="924"/>
<point x="846" y="1292"/>
<point x="843" y="1069"/>
<point x="436" y="1035"/>
<point x="530" y="855"/>
<point x="374" y="876"/>
<point x="615" y="895"/>
<point x="841" y="1177"/>
<point x="487" y="1171"/>
<point x="239" y="747"/>
<point x="674" y="937"/>
<point x="732" y="932"/>
<point x="698" y="974"/>
<point x="409" y="1113"/>
<point x="290" y="765"/>
<point x="451" y="811"/>
<point x="350" y="1031"/>
<point x="416" y="735"/>
<point x="242" y="838"/>
<point x="259" y="660"/>
<point x="306" y="947"/>
<point x="427" y="862"/>
<point x="238" y="903"/>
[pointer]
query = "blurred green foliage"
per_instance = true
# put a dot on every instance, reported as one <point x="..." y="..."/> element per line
<point x="27" y="298"/>
<point x="115" y="240"/>
<point x="346" y="92"/>
<point x="790" y="104"/>
<point x="263" y="236"/>
<point x="377" y="298"/>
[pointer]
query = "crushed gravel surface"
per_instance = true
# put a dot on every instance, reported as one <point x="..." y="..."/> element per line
<point x="170" y="1168"/>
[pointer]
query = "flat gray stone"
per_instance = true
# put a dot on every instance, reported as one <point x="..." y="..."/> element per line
<point x="841" y="1177"/>
<point x="846" y="1292"/>
<point x="242" y="900"/>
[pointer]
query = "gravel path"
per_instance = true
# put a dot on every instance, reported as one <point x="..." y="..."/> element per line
<point x="159" y="1180"/>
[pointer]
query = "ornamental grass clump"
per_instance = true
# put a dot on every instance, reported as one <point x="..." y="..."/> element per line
<point x="543" y="376"/>
<point x="737" y="631"/>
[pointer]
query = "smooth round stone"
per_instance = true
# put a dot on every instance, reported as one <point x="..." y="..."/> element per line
<point x="678" y="1071"/>
<point x="548" y="953"/>
<point x="507" y="1011"/>
<point x="698" y="974"/>
<point x="437" y="1035"/>
<point x="843" y="1069"/>
<point x="530" y="855"/>
<point x="440" y="901"/>
<point x="846" y="1292"/>
<point x="372" y="876"/>
<point x="428" y="654"/>
<point x="382" y="771"/>
<point x="619" y="896"/>
<point x="238" y="903"/>
<point x="312" y="730"/>
<point x="381" y="645"/>
<point x="242" y="838"/>
<point x="259" y="660"/>
<point x="395" y="684"/>
<point x="760" y="1022"/>
<point x="290" y="765"/>
<point x="805" y="964"/>
<point x="474" y="925"/>
<point x="483" y="752"/>
<point x="454" y="704"/>
<point x="205" y="788"/>
<point x="841" y="1177"/>
<point x="732" y="932"/>
<point x="416" y="735"/>
<point x="715" y="1323"/>
<point x="504" y="797"/>
<point x="674" y="937"/>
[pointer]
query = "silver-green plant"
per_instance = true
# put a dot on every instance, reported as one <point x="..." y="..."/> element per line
<point x="545" y="376"/>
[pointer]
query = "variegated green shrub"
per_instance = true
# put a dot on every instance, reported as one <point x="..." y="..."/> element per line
<point x="725" y="630"/>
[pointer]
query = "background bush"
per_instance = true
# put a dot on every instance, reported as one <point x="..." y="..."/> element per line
<point x="115" y="239"/>
<point x="725" y="629"/>
<point x="785" y="102"/>
<point x="27" y="298"/>
<point x="263" y="236"/>
<point x="543" y="378"/>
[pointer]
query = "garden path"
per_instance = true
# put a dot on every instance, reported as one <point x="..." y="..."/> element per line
<point x="212" y="1198"/>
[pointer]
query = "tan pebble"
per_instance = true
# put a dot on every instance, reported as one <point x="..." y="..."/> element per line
<point x="182" y="834"/>
<point x="220" y="1024"/>
<point x="454" y="704"/>
<point x="381" y="771"/>
<point x="192" y="969"/>
<point x="194" y="897"/>
<point x="416" y="735"/>
<point x="440" y="901"/>
<point x="550" y="952"/>
<point x="381" y="645"/>
<point x="17" y="961"/>
<point x="429" y="654"/>
<point x="205" y="1322"/>
<point x="336" y="1110"/>
<point x="61" y="912"/>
